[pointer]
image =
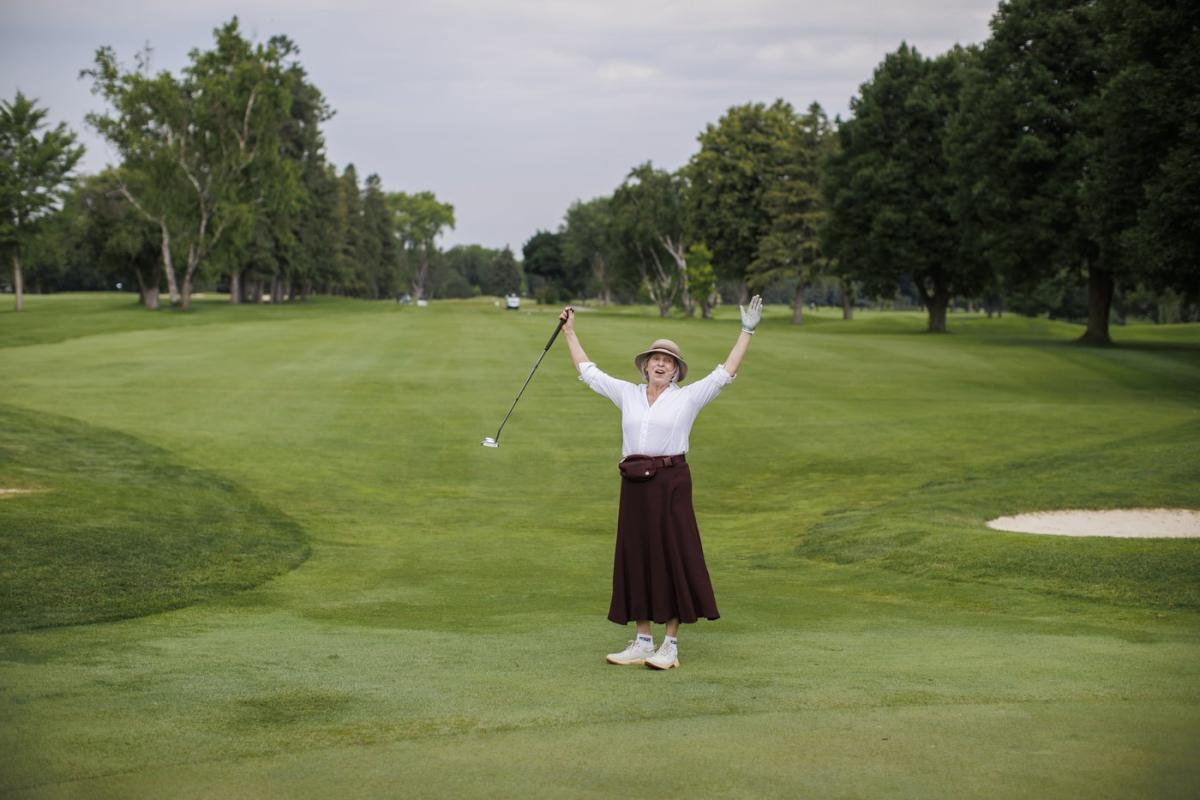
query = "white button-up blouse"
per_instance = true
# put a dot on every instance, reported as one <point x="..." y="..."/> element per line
<point x="661" y="429"/>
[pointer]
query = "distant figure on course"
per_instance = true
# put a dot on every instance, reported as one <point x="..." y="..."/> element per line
<point x="659" y="574"/>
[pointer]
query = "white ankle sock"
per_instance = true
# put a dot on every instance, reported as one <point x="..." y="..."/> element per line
<point x="671" y="640"/>
<point x="644" y="638"/>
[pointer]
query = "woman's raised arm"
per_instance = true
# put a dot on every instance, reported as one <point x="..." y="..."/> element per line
<point x="573" y="346"/>
<point x="751" y="316"/>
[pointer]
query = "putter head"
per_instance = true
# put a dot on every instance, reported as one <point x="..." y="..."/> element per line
<point x="490" y="442"/>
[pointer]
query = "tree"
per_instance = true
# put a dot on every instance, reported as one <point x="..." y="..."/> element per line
<point x="110" y="232"/>
<point x="1148" y="166"/>
<point x="203" y="151"/>
<point x="419" y="219"/>
<point x="650" y="227"/>
<point x="543" y="258"/>
<point x="378" y="260"/>
<point x="701" y="278"/>
<point x="730" y="178"/>
<point x="1024" y="150"/>
<point x="890" y="187"/>
<point x="795" y="208"/>
<point x="506" y="273"/>
<point x="589" y="248"/>
<point x="33" y="174"/>
<point x="475" y="263"/>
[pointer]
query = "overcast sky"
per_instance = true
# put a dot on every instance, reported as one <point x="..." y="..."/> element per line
<point x="512" y="109"/>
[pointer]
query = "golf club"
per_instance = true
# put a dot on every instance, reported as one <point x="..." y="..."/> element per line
<point x="495" y="442"/>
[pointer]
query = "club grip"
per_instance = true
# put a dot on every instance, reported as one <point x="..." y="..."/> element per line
<point x="554" y="335"/>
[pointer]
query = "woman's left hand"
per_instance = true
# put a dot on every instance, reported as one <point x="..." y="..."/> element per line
<point x="751" y="314"/>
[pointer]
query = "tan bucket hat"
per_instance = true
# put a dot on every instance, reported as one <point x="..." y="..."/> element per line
<point x="667" y="347"/>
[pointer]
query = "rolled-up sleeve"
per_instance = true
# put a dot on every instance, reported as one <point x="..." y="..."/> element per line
<point x="601" y="382"/>
<point x="704" y="390"/>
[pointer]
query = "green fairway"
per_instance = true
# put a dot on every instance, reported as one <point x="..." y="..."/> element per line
<point x="305" y="578"/>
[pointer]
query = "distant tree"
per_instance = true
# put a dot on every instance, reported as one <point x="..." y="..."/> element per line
<point x="349" y="232"/>
<point x="121" y="241"/>
<point x="202" y="151"/>
<point x="543" y="257"/>
<point x="737" y="166"/>
<point x="649" y="217"/>
<point x="1148" y="166"/>
<point x="33" y="174"/>
<point x="890" y="187"/>
<point x="419" y="219"/>
<point x="701" y="278"/>
<point x="379" y="257"/>
<point x="796" y="210"/>
<point x="475" y="263"/>
<point x="1025" y="151"/>
<point x="589" y="246"/>
<point x="506" y="273"/>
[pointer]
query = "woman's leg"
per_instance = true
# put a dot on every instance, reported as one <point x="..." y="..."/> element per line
<point x="643" y="627"/>
<point x="672" y="627"/>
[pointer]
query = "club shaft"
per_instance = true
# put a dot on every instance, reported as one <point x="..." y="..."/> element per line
<point x="527" y="380"/>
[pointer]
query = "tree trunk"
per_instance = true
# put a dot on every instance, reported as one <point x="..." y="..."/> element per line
<point x="305" y="291"/>
<point x="418" y="285"/>
<point x="235" y="286"/>
<point x="937" y="304"/>
<point x="18" y="287"/>
<point x="1100" y="295"/>
<point x="193" y="261"/>
<point x="276" y="290"/>
<point x="798" y="305"/>
<point x="147" y="291"/>
<point x="168" y="265"/>
<point x="847" y="300"/>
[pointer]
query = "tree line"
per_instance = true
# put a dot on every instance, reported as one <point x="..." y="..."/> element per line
<point x="1053" y="167"/>
<point x="1042" y="170"/>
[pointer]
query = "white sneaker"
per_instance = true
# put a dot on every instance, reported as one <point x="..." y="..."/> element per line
<point x="636" y="653"/>
<point x="666" y="657"/>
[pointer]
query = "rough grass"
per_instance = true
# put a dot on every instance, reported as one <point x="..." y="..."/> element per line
<point x="446" y="636"/>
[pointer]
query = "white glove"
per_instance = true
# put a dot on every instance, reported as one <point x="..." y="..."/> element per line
<point x="752" y="314"/>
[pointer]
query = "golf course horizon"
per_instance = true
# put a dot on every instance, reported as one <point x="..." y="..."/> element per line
<point x="258" y="550"/>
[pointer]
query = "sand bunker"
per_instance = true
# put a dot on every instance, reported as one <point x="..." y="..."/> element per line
<point x="1141" y="523"/>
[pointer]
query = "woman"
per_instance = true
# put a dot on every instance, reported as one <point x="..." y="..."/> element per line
<point x="659" y="573"/>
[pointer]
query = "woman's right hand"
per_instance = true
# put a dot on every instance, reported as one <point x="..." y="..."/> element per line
<point x="568" y="318"/>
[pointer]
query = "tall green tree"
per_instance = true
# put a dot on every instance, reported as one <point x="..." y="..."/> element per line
<point x="378" y="259"/>
<point x="650" y="225"/>
<point x="34" y="171"/>
<point x="419" y="219"/>
<point x="1025" y="150"/>
<point x="795" y="208"/>
<point x="349" y="231"/>
<point x="542" y="256"/>
<point x="203" y="149"/>
<point x="1147" y="174"/>
<point x="890" y="186"/>
<point x="589" y="247"/>
<point x="732" y="177"/>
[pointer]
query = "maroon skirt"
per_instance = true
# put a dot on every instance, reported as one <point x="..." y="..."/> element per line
<point x="659" y="572"/>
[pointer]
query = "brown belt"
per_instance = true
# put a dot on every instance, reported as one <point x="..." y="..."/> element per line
<point x="659" y="461"/>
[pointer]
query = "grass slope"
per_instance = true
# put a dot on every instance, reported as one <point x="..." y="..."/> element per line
<point x="445" y="638"/>
<point x="112" y="528"/>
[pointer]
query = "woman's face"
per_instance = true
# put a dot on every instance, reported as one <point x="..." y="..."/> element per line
<point x="660" y="369"/>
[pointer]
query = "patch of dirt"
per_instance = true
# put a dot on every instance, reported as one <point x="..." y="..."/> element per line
<point x="1139" y="523"/>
